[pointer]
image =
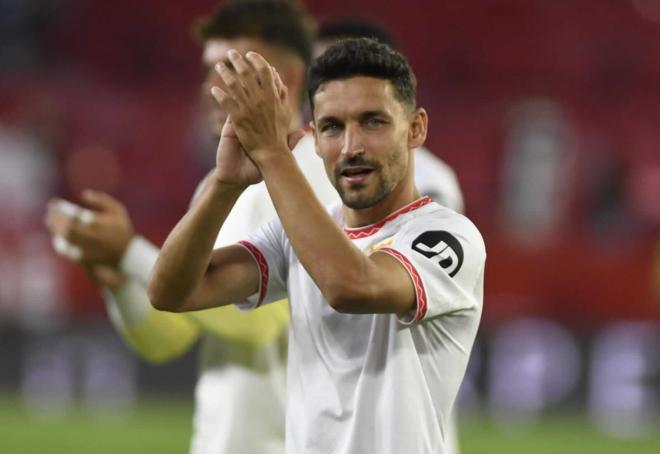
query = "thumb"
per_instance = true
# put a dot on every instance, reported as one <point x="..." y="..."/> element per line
<point x="228" y="128"/>
<point x="295" y="137"/>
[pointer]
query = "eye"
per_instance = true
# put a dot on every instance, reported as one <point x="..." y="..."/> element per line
<point x="375" y="122"/>
<point x="330" y="127"/>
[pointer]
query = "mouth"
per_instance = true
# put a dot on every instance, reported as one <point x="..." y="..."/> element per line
<point x="356" y="174"/>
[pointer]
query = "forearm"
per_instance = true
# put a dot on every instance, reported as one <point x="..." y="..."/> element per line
<point x="185" y="256"/>
<point x="342" y="272"/>
<point x="154" y="335"/>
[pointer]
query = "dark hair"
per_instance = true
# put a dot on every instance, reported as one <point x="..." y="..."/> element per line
<point x="364" y="57"/>
<point x="282" y="23"/>
<point x="356" y="28"/>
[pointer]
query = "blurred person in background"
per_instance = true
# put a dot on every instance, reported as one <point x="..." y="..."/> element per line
<point x="434" y="178"/>
<point x="240" y="391"/>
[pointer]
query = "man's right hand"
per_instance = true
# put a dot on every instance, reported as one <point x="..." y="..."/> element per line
<point x="233" y="166"/>
<point x="101" y="238"/>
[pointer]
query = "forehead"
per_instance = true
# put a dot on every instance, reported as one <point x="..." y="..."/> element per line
<point x="215" y="49"/>
<point x="352" y="96"/>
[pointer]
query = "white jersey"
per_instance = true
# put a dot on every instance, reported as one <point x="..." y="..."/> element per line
<point x="377" y="383"/>
<point x="240" y="394"/>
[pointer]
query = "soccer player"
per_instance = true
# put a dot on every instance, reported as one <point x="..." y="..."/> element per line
<point x="433" y="177"/>
<point x="240" y="392"/>
<point x="385" y="290"/>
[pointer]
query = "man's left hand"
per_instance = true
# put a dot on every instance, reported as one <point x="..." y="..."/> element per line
<point x="257" y="101"/>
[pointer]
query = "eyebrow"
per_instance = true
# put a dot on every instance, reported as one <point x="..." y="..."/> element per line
<point x="373" y="113"/>
<point x="328" y="119"/>
<point x="362" y="116"/>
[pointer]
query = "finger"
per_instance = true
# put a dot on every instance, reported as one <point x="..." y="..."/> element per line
<point x="52" y="215"/>
<point x="281" y="88"/>
<point x="73" y="211"/>
<point x="60" y="245"/>
<point x="56" y="220"/>
<point x="67" y="208"/>
<point x="62" y="216"/>
<point x="101" y="202"/>
<point x="263" y="69"/>
<point x="71" y="228"/>
<point x="66" y="249"/>
<point x="228" y="129"/>
<point x="243" y="71"/>
<point x="295" y="137"/>
<point x="224" y="100"/>
<point x="233" y="86"/>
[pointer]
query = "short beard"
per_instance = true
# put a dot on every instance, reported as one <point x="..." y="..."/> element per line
<point x="361" y="201"/>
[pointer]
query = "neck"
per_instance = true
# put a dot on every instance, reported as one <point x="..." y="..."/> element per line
<point x="403" y="194"/>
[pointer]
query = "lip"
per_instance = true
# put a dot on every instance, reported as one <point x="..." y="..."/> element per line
<point x="356" y="174"/>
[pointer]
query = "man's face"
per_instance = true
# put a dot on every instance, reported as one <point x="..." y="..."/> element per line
<point x="362" y="134"/>
<point x="215" y="50"/>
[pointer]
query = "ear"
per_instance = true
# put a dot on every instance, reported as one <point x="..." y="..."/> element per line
<point x="312" y="126"/>
<point x="419" y="122"/>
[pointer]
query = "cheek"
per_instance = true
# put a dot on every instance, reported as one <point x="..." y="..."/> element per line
<point x="329" y="148"/>
<point x="397" y="159"/>
<point x="329" y="152"/>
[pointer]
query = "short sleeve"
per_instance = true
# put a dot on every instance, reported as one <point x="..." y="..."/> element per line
<point x="267" y="248"/>
<point x="445" y="259"/>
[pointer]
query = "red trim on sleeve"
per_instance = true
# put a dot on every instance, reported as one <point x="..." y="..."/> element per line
<point x="263" y="268"/>
<point x="363" y="232"/>
<point x="420" y="292"/>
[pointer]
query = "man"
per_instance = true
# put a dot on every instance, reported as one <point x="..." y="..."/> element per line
<point x="385" y="291"/>
<point x="240" y="391"/>
<point x="433" y="177"/>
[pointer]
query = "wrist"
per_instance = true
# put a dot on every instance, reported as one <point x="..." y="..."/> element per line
<point x="139" y="258"/>
<point x="220" y="187"/>
<point x="269" y="156"/>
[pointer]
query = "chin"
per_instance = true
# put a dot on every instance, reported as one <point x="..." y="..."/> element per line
<point x="361" y="201"/>
<point x="357" y="203"/>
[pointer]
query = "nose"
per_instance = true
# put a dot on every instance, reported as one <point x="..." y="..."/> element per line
<point x="352" y="142"/>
